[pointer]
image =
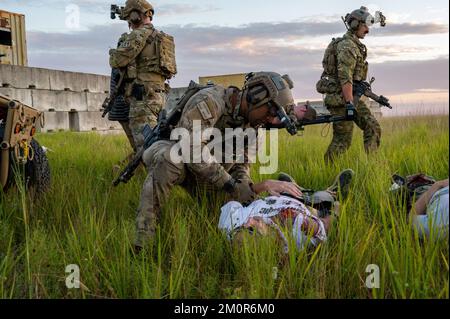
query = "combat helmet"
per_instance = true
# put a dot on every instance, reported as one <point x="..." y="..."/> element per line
<point x="272" y="89"/>
<point x="362" y="16"/>
<point x="137" y="5"/>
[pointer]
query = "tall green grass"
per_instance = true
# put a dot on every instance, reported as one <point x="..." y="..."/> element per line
<point x="83" y="220"/>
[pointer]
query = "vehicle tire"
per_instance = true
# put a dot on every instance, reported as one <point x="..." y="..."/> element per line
<point x="37" y="171"/>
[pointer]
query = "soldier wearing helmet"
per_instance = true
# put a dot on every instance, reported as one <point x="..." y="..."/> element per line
<point x="265" y="100"/>
<point x="143" y="68"/>
<point x="345" y="62"/>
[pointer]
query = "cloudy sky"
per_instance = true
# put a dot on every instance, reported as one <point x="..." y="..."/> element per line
<point x="409" y="57"/>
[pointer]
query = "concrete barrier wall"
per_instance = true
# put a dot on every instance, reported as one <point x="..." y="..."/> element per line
<point x="91" y="121"/>
<point x="69" y="100"/>
<point x="21" y="77"/>
<point x="56" y="122"/>
<point x="22" y="95"/>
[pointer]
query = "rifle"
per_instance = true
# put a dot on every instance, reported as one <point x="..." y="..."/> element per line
<point x="361" y="88"/>
<point x="350" y="115"/>
<point x="151" y="136"/>
<point x="116" y="11"/>
<point x="117" y="81"/>
<point x="159" y="132"/>
<point x="293" y="128"/>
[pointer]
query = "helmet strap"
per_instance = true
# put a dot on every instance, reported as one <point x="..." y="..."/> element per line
<point x="237" y="106"/>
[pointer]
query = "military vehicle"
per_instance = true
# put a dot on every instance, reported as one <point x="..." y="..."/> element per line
<point x="21" y="158"/>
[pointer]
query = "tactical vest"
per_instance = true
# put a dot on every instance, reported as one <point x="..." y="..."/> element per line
<point x="329" y="81"/>
<point x="156" y="62"/>
<point x="158" y="56"/>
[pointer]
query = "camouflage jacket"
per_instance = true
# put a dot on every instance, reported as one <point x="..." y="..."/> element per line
<point x="136" y="53"/>
<point x="351" y="62"/>
<point x="210" y="108"/>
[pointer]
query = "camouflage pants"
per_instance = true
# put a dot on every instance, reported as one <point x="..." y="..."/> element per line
<point x="163" y="176"/>
<point x="343" y="131"/>
<point x="144" y="112"/>
<point x="126" y="128"/>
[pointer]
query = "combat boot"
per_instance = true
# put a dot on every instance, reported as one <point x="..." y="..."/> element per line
<point x="283" y="177"/>
<point x="342" y="183"/>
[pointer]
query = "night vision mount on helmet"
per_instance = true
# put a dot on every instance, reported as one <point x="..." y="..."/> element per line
<point x="124" y="12"/>
<point x="274" y="90"/>
<point x="362" y="15"/>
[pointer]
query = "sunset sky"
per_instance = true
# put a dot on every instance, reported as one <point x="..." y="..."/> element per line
<point x="409" y="57"/>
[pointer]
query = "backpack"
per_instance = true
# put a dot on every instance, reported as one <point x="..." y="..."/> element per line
<point x="410" y="188"/>
<point x="165" y="49"/>
<point x="327" y="84"/>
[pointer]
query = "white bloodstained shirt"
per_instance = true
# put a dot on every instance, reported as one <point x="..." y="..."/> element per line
<point x="273" y="211"/>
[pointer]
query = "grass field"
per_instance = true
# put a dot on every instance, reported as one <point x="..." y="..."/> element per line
<point x="84" y="221"/>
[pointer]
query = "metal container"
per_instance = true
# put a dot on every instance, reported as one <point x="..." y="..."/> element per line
<point x="13" y="43"/>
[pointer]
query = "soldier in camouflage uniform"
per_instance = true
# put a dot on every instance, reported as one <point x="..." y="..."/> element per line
<point x="138" y="56"/>
<point x="214" y="107"/>
<point x="345" y="62"/>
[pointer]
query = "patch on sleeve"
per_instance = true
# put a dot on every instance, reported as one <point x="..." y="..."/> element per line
<point x="125" y="44"/>
<point x="204" y="110"/>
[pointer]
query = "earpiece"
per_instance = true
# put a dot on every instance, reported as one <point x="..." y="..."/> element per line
<point x="354" y="24"/>
<point x="135" y="17"/>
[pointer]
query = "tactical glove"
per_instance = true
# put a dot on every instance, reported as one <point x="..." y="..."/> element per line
<point x="350" y="111"/>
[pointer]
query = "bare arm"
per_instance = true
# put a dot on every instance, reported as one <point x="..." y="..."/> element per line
<point x="346" y="63"/>
<point x="347" y="91"/>
<point x="275" y="188"/>
<point x="420" y="207"/>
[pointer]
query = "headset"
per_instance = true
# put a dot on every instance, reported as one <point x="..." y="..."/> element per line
<point x="353" y="20"/>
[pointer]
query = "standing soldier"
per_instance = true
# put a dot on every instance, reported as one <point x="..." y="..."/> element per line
<point x="345" y="62"/>
<point x="146" y="59"/>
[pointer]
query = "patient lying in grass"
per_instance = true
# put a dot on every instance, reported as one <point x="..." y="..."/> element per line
<point x="308" y="219"/>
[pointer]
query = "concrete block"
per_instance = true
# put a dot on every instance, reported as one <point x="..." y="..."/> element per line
<point x="91" y="121"/>
<point x="22" y="95"/>
<point x="105" y="82"/>
<point x="6" y="91"/>
<point x="97" y="83"/>
<point x="24" y="77"/>
<point x="6" y="75"/>
<point x="69" y="101"/>
<point x="17" y="76"/>
<point x="56" y="121"/>
<point x="77" y="82"/>
<point x="40" y="78"/>
<point x="46" y="79"/>
<point x="59" y="80"/>
<point x="95" y="101"/>
<point x="45" y="100"/>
